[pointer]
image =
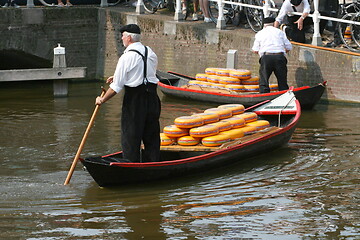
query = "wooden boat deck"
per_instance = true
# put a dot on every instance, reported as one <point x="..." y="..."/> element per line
<point x="201" y="148"/>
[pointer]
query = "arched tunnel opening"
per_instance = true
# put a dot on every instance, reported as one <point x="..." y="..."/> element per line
<point x="15" y="59"/>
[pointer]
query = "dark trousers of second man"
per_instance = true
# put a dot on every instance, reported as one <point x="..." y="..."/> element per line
<point x="140" y="122"/>
<point x="276" y="64"/>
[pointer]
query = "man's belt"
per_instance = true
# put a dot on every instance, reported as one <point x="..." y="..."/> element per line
<point x="277" y="53"/>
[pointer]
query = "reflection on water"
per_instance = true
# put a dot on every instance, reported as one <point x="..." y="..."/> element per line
<point x="307" y="189"/>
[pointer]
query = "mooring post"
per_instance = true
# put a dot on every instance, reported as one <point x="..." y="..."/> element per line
<point x="60" y="85"/>
<point x="231" y="59"/>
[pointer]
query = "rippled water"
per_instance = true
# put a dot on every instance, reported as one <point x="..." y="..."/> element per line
<point x="308" y="189"/>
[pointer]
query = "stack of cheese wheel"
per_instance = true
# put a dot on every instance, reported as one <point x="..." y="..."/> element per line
<point x="213" y="127"/>
<point x="274" y="87"/>
<point x="234" y="80"/>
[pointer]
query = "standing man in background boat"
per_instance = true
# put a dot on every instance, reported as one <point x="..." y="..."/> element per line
<point x="136" y="73"/>
<point x="272" y="45"/>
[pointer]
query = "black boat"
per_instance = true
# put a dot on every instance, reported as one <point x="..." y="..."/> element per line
<point x="177" y="161"/>
<point x="172" y="84"/>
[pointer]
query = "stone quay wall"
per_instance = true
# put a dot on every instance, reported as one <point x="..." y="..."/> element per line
<point x="189" y="47"/>
<point x="92" y="39"/>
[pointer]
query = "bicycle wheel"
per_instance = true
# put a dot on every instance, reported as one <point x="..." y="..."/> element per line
<point x="255" y="16"/>
<point x="150" y="5"/>
<point x="214" y="12"/>
<point x="345" y="32"/>
<point x="355" y="30"/>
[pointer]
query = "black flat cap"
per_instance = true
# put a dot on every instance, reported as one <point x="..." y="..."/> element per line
<point x="269" y="20"/>
<point x="130" y="28"/>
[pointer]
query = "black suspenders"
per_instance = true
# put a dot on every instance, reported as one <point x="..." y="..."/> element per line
<point x="145" y="81"/>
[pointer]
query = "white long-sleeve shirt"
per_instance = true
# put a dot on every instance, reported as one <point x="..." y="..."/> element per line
<point x="271" y="40"/>
<point x="130" y="68"/>
<point x="287" y="8"/>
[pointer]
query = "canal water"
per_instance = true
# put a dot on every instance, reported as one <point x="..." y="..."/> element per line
<point x="308" y="189"/>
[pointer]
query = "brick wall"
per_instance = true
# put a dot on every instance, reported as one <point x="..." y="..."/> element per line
<point x="189" y="47"/>
<point x="91" y="38"/>
<point x="37" y="31"/>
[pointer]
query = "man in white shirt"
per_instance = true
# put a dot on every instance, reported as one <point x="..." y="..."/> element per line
<point x="294" y="23"/>
<point x="272" y="44"/>
<point x="136" y="73"/>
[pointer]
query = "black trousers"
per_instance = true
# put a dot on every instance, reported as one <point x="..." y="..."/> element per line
<point x="292" y="32"/>
<point x="140" y="122"/>
<point x="276" y="64"/>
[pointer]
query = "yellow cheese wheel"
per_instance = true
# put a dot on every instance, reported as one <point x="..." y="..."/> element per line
<point x="204" y="131"/>
<point x="236" y="122"/>
<point x="248" y="129"/>
<point x="188" y="141"/>
<point x="208" y="117"/>
<point x="223" y="125"/>
<point x="218" y="85"/>
<point x="222" y="72"/>
<point x="165" y="140"/>
<point x="251" y="88"/>
<point x="201" y="77"/>
<point x="195" y="82"/>
<point x="215" y="141"/>
<point x="210" y="71"/>
<point x="254" y="80"/>
<point x="235" y="108"/>
<point x="204" y="84"/>
<point x="188" y="121"/>
<point x="223" y="113"/>
<point x="259" y="124"/>
<point x="229" y="80"/>
<point x="234" y="133"/>
<point x="235" y="87"/>
<point x="248" y="116"/>
<point x="174" y="131"/>
<point x="274" y="87"/>
<point x="213" y="78"/>
<point x="240" y="73"/>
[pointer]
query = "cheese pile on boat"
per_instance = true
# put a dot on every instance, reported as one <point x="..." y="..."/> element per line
<point x="234" y="80"/>
<point x="213" y="127"/>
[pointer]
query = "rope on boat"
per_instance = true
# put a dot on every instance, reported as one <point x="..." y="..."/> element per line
<point x="283" y="109"/>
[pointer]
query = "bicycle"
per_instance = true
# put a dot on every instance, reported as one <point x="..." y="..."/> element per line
<point x="233" y="12"/>
<point x="151" y="6"/>
<point x="349" y="33"/>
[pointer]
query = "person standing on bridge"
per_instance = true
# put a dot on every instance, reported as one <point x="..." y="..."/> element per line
<point x="294" y="25"/>
<point x="136" y="73"/>
<point x="272" y="45"/>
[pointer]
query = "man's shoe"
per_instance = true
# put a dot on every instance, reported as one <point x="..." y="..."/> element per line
<point x="13" y="4"/>
<point x="195" y="17"/>
<point x="5" y="5"/>
<point x="207" y="20"/>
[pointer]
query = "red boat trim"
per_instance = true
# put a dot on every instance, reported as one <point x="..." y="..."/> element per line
<point x="229" y="95"/>
<point x="206" y="156"/>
